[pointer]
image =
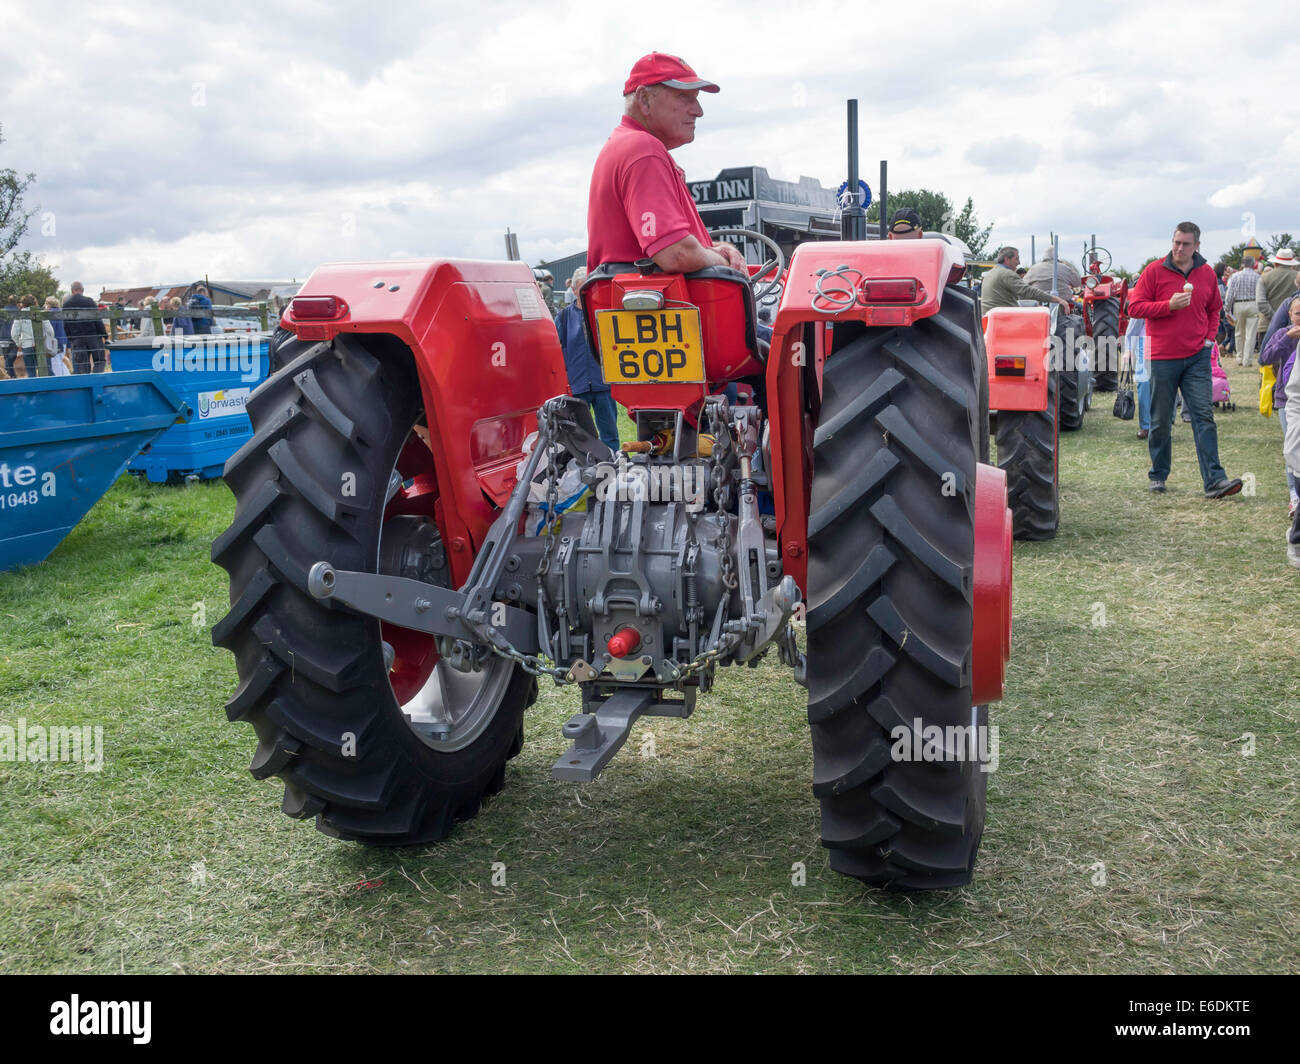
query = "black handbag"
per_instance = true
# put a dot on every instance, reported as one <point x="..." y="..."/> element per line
<point x="1125" y="405"/>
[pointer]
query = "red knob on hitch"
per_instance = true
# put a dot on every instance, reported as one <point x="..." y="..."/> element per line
<point x="624" y="642"/>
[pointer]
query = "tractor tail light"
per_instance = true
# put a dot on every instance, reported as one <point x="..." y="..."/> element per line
<point x="1009" y="365"/>
<point x="890" y="290"/>
<point x="317" y="308"/>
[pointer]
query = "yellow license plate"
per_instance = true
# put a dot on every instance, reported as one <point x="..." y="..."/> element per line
<point x="651" y="346"/>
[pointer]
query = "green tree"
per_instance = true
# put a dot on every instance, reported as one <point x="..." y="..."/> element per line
<point x="1232" y="257"/>
<point x="939" y="216"/>
<point x="1278" y="241"/>
<point x="30" y="278"/>
<point x="14" y="219"/>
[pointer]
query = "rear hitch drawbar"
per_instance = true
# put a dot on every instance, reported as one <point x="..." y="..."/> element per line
<point x="598" y="736"/>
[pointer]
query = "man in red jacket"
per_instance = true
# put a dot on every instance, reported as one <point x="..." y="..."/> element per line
<point x="1179" y="298"/>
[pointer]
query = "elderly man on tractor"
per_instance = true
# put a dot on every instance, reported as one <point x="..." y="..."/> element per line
<point x="639" y="205"/>
<point x="1002" y="288"/>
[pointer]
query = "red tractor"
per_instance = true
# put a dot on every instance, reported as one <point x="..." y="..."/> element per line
<point x="1105" y="315"/>
<point x="404" y="566"/>
<point x="1025" y="392"/>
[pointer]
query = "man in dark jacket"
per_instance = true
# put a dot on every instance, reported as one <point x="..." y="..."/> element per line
<point x="198" y="301"/>
<point x="586" y="381"/>
<point x="86" y="336"/>
<point x="1179" y="298"/>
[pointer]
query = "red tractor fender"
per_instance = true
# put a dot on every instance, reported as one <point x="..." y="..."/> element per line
<point x="488" y="357"/>
<point x="914" y="272"/>
<point x="1019" y="342"/>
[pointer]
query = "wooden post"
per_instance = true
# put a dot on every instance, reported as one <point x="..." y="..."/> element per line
<point x="38" y="337"/>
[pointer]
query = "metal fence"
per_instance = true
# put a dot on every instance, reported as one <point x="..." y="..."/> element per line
<point x="115" y="315"/>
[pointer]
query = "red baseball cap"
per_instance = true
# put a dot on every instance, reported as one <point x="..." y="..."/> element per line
<point x="660" y="69"/>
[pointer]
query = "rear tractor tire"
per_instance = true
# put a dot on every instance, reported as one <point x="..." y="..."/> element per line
<point x="1075" y="382"/>
<point x="1105" y="335"/>
<point x="1028" y="451"/>
<point x="890" y="569"/>
<point x="320" y="685"/>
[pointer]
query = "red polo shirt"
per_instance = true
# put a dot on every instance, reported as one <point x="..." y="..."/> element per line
<point x="639" y="203"/>
<point x="1177" y="333"/>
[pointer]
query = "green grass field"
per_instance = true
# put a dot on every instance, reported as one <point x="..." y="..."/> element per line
<point x="1130" y="826"/>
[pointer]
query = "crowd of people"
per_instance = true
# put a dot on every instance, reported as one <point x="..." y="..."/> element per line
<point x="75" y="343"/>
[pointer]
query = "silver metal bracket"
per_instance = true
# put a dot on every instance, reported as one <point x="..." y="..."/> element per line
<point x="582" y="672"/>
<point x="419" y="606"/>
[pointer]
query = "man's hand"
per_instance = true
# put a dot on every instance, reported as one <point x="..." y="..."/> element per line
<point x="1180" y="300"/>
<point x="689" y="255"/>
<point x="731" y="253"/>
<point x="1063" y="302"/>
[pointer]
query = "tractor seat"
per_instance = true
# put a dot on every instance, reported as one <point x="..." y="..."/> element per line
<point x="728" y="316"/>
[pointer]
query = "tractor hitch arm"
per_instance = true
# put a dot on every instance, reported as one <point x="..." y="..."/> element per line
<point x="421" y="607"/>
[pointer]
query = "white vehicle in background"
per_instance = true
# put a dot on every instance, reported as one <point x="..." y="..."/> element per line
<point x="252" y="322"/>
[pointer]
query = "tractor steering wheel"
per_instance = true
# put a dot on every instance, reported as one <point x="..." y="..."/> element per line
<point x="1101" y="254"/>
<point x="774" y="265"/>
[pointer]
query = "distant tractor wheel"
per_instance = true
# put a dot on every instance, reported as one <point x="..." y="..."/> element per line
<point x="1076" y="394"/>
<point x="283" y="347"/>
<point x="1105" y="336"/>
<point x="371" y="732"/>
<point x="891" y="542"/>
<point x="1028" y="452"/>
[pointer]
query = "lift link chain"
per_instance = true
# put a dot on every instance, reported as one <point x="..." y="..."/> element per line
<point x="718" y="474"/>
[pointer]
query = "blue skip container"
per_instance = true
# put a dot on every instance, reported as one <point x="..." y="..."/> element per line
<point x="215" y="375"/>
<point x="63" y="441"/>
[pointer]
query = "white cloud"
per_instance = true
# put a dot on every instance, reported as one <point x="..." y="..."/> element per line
<point x="1237" y="195"/>
<point x="236" y="140"/>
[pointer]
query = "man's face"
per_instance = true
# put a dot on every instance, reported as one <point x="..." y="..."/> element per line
<point x="1013" y="262"/>
<point x="1185" y="246"/>
<point x="669" y="114"/>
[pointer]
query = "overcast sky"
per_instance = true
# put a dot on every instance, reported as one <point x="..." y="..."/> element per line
<point x="255" y="140"/>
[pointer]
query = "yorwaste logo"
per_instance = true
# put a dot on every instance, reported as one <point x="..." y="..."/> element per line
<point x="224" y="403"/>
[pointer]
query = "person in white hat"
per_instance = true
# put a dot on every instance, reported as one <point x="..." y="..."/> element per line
<point x="1279" y="280"/>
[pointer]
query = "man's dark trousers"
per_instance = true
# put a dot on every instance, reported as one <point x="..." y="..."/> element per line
<point x="84" y="350"/>
<point x="606" y="414"/>
<point x="1192" y="376"/>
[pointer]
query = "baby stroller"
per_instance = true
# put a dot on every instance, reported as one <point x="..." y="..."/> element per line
<point x="1221" y="388"/>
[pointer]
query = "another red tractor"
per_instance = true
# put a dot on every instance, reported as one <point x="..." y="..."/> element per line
<point x="1105" y="315"/>
<point x="1025" y="391"/>
<point x="404" y="567"/>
